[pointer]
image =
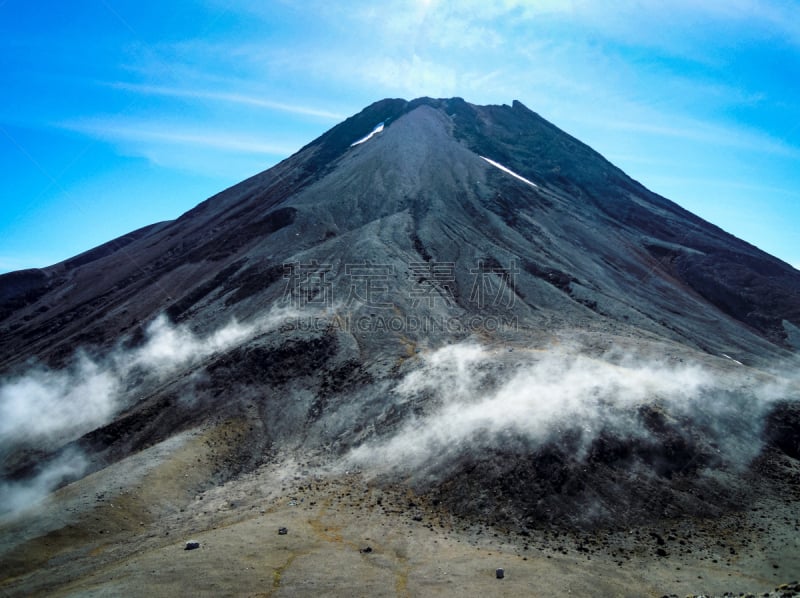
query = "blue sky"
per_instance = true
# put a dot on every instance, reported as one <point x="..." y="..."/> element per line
<point x="117" y="113"/>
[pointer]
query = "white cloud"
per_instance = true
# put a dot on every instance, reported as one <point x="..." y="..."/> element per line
<point x="19" y="495"/>
<point x="60" y="404"/>
<point x="166" y="133"/>
<point x="480" y="405"/>
<point x="231" y="97"/>
<point x="46" y="408"/>
<point x="704" y="132"/>
<point x="779" y="18"/>
<point x="44" y="403"/>
<point x="414" y="75"/>
<point x="210" y="151"/>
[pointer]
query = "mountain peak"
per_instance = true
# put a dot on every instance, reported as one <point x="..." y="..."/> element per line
<point x="457" y="307"/>
<point x="497" y="182"/>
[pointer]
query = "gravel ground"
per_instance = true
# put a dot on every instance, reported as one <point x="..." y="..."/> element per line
<point x="123" y="531"/>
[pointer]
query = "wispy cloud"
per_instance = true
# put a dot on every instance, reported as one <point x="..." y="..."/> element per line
<point x="752" y="188"/>
<point x="235" y="98"/>
<point x="172" y="135"/>
<point x="45" y="407"/>
<point x="707" y="133"/>
<point x="782" y="18"/>
<point x="186" y="147"/>
<point x="465" y="25"/>
<point x="18" y="495"/>
<point x="412" y="75"/>
<point x="145" y="137"/>
<point x="554" y="391"/>
<point x="46" y="404"/>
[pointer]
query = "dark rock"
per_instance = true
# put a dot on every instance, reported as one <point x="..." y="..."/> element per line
<point x="282" y="531"/>
<point x="782" y="428"/>
<point x="500" y="573"/>
<point x="192" y="545"/>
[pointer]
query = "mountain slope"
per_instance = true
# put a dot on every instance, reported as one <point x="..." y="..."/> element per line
<point x="471" y="306"/>
<point x="583" y="238"/>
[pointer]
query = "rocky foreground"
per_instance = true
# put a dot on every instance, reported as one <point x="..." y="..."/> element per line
<point x="785" y="590"/>
<point x="305" y="528"/>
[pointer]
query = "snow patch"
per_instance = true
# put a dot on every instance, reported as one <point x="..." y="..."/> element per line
<point x="726" y="356"/>
<point x="378" y="128"/>
<point x="509" y="171"/>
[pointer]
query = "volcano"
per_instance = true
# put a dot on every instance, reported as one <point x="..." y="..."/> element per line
<point x="437" y="318"/>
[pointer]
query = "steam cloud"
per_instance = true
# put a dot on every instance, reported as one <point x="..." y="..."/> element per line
<point x="483" y="400"/>
<point x="15" y="496"/>
<point x="45" y="407"/>
<point x="45" y="403"/>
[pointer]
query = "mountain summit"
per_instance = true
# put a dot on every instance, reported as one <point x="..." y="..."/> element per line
<point x="441" y="182"/>
<point x="460" y="303"/>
